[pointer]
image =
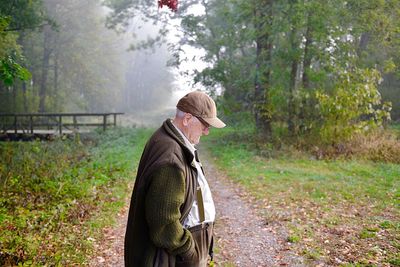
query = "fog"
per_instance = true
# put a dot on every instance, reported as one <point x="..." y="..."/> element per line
<point x="78" y="64"/>
<point x="152" y="88"/>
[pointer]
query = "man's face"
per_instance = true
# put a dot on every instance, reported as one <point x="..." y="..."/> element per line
<point x="195" y="129"/>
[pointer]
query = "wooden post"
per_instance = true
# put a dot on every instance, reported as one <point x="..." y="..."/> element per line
<point x="60" y="124"/>
<point x="31" y="123"/>
<point x="74" y="119"/>
<point x="115" y="120"/>
<point x="104" y="122"/>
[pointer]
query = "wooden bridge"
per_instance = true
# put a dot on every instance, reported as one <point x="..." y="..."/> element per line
<point x="30" y="123"/>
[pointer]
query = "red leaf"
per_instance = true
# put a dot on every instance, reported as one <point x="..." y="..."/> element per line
<point x="172" y="4"/>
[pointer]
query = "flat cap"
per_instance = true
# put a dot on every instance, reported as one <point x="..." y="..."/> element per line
<point x="201" y="105"/>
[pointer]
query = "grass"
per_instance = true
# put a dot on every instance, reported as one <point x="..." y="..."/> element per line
<point x="395" y="127"/>
<point x="337" y="211"/>
<point x="56" y="196"/>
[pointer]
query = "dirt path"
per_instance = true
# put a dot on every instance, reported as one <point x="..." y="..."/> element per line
<point x="242" y="237"/>
<point x="110" y="250"/>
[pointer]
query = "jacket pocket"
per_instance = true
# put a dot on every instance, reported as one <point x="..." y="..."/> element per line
<point x="202" y="235"/>
<point x="163" y="259"/>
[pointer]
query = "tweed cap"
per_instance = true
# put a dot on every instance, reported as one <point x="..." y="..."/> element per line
<point x="200" y="105"/>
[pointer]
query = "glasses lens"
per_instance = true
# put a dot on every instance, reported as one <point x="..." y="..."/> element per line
<point x="205" y="124"/>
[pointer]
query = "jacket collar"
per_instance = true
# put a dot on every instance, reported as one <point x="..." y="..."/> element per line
<point x="173" y="132"/>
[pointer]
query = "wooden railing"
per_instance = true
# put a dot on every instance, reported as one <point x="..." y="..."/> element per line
<point x="29" y="122"/>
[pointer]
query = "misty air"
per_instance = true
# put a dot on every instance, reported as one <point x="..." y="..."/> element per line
<point x="165" y="133"/>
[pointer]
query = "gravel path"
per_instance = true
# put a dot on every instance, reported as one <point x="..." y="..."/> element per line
<point x="242" y="237"/>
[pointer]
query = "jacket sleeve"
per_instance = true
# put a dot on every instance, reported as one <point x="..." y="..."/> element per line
<point x="165" y="195"/>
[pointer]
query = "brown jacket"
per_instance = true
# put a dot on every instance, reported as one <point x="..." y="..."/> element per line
<point x="163" y="195"/>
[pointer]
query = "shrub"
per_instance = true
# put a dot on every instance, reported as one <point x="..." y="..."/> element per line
<point x="355" y="106"/>
<point x="377" y="146"/>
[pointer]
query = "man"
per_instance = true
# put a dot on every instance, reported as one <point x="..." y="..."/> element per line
<point x="171" y="213"/>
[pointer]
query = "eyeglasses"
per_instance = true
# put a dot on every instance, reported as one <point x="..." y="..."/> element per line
<point x="205" y="124"/>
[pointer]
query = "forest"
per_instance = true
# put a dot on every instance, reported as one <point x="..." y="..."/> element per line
<point x="309" y="90"/>
<point x="301" y="67"/>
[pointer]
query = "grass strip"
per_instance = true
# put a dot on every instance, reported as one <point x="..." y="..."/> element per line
<point x="56" y="196"/>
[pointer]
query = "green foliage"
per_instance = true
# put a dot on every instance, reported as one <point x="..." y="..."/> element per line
<point x="395" y="128"/>
<point x="395" y="261"/>
<point x="10" y="70"/>
<point x="293" y="239"/>
<point x="55" y="195"/>
<point x="312" y="254"/>
<point x="388" y="225"/>
<point x="302" y="46"/>
<point x="59" y="42"/>
<point x="16" y="16"/>
<point x="355" y="106"/>
<point x="8" y="40"/>
<point x="23" y="14"/>
<point x="367" y="233"/>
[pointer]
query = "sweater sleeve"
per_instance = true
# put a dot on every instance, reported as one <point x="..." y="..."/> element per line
<point x="165" y="195"/>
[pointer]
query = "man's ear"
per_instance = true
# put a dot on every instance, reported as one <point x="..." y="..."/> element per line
<point x="186" y="119"/>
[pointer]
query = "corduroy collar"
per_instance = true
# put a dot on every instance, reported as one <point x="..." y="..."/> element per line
<point x="187" y="142"/>
<point x="173" y="132"/>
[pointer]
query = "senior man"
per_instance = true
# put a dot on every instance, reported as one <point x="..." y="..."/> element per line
<point x="172" y="212"/>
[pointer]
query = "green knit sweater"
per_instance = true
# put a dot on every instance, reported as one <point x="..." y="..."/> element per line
<point x="162" y="197"/>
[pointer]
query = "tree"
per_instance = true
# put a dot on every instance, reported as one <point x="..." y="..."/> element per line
<point x="77" y="64"/>
<point x="262" y="26"/>
<point x="290" y="50"/>
<point x="354" y="107"/>
<point x="15" y="17"/>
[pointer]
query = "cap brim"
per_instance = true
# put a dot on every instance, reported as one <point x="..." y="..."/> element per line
<point x="215" y="122"/>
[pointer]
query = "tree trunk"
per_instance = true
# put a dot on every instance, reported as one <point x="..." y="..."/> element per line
<point x="295" y="59"/>
<point x="14" y="98"/>
<point x="305" y="105"/>
<point x="262" y="111"/>
<point x="362" y="45"/>
<point x="56" y="96"/>
<point x="307" y="59"/>
<point x="291" y="101"/>
<point x="4" y="103"/>
<point x="24" y="100"/>
<point x="292" y="83"/>
<point x="47" y="51"/>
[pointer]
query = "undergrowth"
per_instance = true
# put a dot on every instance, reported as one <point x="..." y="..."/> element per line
<point x="55" y="196"/>
<point x="379" y="145"/>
